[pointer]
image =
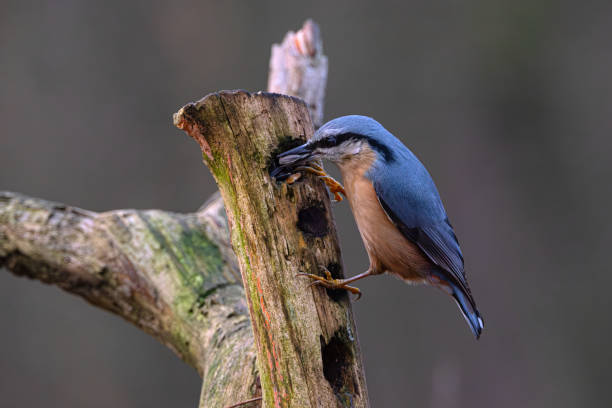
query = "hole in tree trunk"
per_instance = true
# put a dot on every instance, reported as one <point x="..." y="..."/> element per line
<point x="286" y="143"/>
<point x="312" y="221"/>
<point x="337" y="361"/>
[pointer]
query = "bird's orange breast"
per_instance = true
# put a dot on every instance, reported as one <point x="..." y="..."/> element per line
<point x="387" y="248"/>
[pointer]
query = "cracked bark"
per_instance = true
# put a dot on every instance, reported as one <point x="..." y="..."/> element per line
<point x="308" y="353"/>
<point x="172" y="275"/>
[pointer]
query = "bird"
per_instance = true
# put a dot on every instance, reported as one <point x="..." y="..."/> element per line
<point x="396" y="205"/>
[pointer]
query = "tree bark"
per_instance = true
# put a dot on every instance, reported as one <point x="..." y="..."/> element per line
<point x="299" y="68"/>
<point x="307" y="348"/>
<point x="172" y="275"/>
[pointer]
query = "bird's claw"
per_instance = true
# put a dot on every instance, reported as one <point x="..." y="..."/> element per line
<point x="330" y="283"/>
<point x="334" y="186"/>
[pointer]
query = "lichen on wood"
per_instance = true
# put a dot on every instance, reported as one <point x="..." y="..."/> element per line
<point x="172" y="275"/>
<point x="293" y="324"/>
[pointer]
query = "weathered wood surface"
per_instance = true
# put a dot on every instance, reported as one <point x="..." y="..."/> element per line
<point x="308" y="353"/>
<point x="172" y="275"/>
<point x="299" y="68"/>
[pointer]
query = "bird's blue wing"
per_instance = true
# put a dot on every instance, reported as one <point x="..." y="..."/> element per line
<point x="414" y="206"/>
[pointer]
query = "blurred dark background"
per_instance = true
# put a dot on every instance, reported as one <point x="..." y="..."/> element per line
<point x="508" y="103"/>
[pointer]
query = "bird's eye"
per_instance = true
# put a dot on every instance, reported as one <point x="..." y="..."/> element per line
<point x="326" y="142"/>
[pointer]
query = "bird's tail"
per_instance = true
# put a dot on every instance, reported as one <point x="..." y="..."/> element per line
<point x="466" y="303"/>
<point x="468" y="308"/>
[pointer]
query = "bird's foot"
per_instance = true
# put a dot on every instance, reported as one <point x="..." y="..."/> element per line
<point x="330" y="283"/>
<point x="334" y="186"/>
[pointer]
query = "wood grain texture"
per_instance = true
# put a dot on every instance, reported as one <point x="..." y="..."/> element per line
<point x="172" y="275"/>
<point x="308" y="353"/>
<point x="299" y="68"/>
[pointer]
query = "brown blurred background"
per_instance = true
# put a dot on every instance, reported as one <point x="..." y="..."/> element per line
<point x="508" y="103"/>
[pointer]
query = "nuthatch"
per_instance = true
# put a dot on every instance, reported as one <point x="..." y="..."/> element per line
<point x="396" y="205"/>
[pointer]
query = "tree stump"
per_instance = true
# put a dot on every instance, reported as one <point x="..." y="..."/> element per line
<point x="307" y="348"/>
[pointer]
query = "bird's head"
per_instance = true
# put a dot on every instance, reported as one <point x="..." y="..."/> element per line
<point x="342" y="140"/>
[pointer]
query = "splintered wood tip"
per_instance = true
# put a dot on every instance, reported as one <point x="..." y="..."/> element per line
<point x="179" y="119"/>
<point x="307" y="41"/>
<point x="183" y="122"/>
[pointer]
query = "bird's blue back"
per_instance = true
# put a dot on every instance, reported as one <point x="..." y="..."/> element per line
<point x="407" y="192"/>
<point x="410" y="198"/>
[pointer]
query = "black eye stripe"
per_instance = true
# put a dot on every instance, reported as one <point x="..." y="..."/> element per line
<point x="337" y="140"/>
<point x="326" y="142"/>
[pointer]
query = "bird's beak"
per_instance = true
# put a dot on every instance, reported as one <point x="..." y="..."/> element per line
<point x="293" y="156"/>
<point x="289" y="159"/>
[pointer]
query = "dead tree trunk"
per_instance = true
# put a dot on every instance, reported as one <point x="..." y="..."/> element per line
<point x="308" y="353"/>
<point x="176" y="277"/>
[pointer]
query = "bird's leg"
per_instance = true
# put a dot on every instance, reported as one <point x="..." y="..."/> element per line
<point x="329" y="282"/>
<point x="334" y="186"/>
